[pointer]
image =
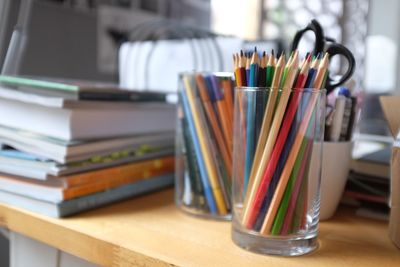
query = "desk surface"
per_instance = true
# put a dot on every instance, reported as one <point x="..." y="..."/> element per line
<point x="150" y="231"/>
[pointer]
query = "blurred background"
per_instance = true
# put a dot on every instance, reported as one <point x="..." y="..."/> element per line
<point x="131" y="42"/>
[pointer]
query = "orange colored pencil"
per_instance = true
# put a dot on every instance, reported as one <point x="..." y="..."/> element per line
<point x="228" y="97"/>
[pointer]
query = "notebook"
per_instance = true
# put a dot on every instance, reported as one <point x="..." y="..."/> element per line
<point x="79" y="90"/>
<point x="54" y="119"/>
<point x="88" y="202"/>
<point x="376" y="163"/>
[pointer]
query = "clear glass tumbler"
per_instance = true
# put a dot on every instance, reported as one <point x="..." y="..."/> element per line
<point x="278" y="135"/>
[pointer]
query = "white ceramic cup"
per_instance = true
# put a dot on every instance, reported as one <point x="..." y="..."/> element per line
<point x="336" y="158"/>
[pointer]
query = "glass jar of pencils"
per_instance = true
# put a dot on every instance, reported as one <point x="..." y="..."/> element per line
<point x="278" y="136"/>
<point x="204" y="144"/>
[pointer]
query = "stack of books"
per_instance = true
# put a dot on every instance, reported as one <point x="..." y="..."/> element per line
<point x="368" y="186"/>
<point x="68" y="147"/>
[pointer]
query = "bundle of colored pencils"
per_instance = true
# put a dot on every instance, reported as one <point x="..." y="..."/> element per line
<point x="278" y="137"/>
<point x="206" y="122"/>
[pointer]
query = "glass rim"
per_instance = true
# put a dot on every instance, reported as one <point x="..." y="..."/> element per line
<point x="252" y="88"/>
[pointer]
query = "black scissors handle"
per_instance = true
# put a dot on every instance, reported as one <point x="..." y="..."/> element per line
<point x="328" y="45"/>
<point x="316" y="28"/>
<point x="337" y="49"/>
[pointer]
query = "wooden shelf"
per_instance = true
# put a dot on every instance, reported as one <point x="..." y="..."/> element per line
<point x="150" y="231"/>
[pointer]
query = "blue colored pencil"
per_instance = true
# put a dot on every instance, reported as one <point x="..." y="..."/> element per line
<point x="250" y="117"/>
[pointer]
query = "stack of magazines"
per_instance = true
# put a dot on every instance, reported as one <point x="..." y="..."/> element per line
<point x="67" y="147"/>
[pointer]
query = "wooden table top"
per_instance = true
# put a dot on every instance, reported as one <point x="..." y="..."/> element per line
<point x="150" y="231"/>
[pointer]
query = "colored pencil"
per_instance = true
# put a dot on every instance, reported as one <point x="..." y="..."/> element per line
<point x="262" y="75"/>
<point x="228" y="97"/>
<point x="223" y="113"/>
<point x="306" y="153"/>
<point x="272" y="137"/>
<point x="205" y="149"/>
<point x="200" y="159"/>
<point x="225" y="152"/>
<point x="269" y="70"/>
<point x="260" y="99"/>
<point x="295" y="181"/>
<point x="278" y="130"/>
<point x="248" y="69"/>
<point x="262" y="155"/>
<point x="242" y="69"/>
<point x="194" y="172"/>
<point x="250" y="118"/>
<point x="283" y="143"/>
<point x="283" y="180"/>
<point x="238" y="75"/>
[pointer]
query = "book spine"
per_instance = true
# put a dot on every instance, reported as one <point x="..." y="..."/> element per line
<point x="126" y="96"/>
<point x="119" y="171"/>
<point x="95" y="200"/>
<point x="121" y="178"/>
